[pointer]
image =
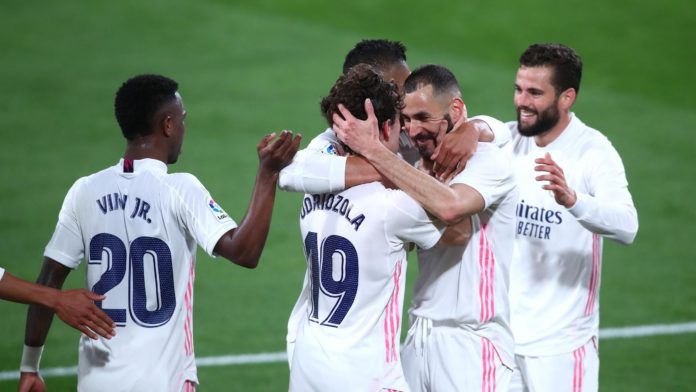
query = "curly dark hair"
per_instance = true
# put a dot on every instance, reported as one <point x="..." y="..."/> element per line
<point x="566" y="64"/>
<point x="379" y="53"/>
<point x="351" y="90"/>
<point x="139" y="99"/>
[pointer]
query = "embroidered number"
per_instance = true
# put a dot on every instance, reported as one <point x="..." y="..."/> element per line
<point x="334" y="269"/>
<point x="143" y="252"/>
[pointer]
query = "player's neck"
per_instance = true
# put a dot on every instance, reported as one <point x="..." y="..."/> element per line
<point x="547" y="138"/>
<point x="143" y="148"/>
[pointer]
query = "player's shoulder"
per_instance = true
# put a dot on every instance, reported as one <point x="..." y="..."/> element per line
<point x="590" y="139"/>
<point x="326" y="142"/>
<point x="490" y="158"/>
<point x="396" y="199"/>
<point x="92" y="180"/>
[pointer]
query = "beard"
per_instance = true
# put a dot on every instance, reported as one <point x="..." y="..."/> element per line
<point x="546" y="120"/>
<point x="425" y="149"/>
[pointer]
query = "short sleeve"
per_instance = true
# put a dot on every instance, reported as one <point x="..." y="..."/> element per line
<point x="489" y="172"/>
<point x="2" y="272"/>
<point x="66" y="245"/>
<point x="409" y="222"/>
<point x="204" y="218"/>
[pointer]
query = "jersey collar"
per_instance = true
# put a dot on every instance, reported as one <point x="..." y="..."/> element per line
<point x="133" y="166"/>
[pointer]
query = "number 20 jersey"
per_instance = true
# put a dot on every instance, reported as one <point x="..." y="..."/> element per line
<point x="355" y="245"/>
<point x="137" y="228"/>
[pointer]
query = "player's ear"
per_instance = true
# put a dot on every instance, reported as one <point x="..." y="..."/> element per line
<point x="385" y="131"/>
<point x="166" y="124"/>
<point x="567" y="98"/>
<point x="457" y="109"/>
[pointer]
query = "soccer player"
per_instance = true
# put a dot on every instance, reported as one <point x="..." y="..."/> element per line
<point x="137" y="228"/>
<point x="355" y="242"/>
<point x="459" y="337"/>
<point x="573" y="192"/>
<point x="75" y="307"/>
<point x="322" y="166"/>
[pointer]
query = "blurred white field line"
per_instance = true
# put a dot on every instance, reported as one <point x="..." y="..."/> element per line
<point x="247" y="359"/>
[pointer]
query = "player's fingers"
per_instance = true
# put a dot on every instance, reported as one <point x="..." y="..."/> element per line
<point x="103" y="321"/>
<point x="338" y="121"/>
<point x="280" y="143"/>
<point x="450" y="172"/>
<point x="296" y="143"/>
<point x="285" y="146"/>
<point x="545" y="177"/>
<point x="265" y="140"/>
<point x="93" y="296"/>
<point x="105" y="318"/>
<point x="448" y="162"/>
<point x="436" y="154"/>
<point x="546" y="168"/>
<point x="369" y="109"/>
<point x="96" y="327"/>
<point x="345" y="113"/>
<point x="83" y="328"/>
<point x="439" y="141"/>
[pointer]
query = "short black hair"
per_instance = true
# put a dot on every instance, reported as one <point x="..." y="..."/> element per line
<point x="566" y="64"/>
<point x="139" y="99"/>
<point x="351" y="90"/>
<point x="441" y="78"/>
<point x="379" y="53"/>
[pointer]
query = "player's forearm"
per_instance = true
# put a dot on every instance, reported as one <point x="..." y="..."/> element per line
<point x="614" y="220"/>
<point x="359" y="171"/>
<point x="314" y="172"/>
<point x="245" y="245"/>
<point x="436" y="197"/>
<point x="18" y="290"/>
<point x="39" y="317"/>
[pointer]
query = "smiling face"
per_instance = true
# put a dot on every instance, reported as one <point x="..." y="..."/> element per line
<point x="425" y="118"/>
<point x="536" y="101"/>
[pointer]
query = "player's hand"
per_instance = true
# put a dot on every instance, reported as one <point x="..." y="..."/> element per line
<point x="359" y="135"/>
<point x="454" y="149"/>
<point x="274" y="155"/>
<point x="31" y="382"/>
<point x="556" y="181"/>
<point x="77" y="309"/>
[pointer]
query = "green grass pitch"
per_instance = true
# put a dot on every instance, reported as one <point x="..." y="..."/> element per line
<point x="250" y="67"/>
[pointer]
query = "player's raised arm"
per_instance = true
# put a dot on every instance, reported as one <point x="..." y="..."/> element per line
<point x="244" y="244"/>
<point x="322" y="167"/>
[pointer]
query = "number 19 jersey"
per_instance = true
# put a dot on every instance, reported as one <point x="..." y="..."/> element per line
<point x="137" y="228"/>
<point x="355" y="243"/>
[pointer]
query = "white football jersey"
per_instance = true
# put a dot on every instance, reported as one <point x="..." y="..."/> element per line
<point x="555" y="277"/>
<point x="468" y="285"/>
<point x="137" y="228"/>
<point x="355" y="243"/>
<point x="2" y="272"/>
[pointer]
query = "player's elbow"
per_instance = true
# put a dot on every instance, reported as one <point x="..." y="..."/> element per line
<point x="246" y="259"/>
<point x="629" y="232"/>
<point x="247" y="263"/>
<point x="449" y="213"/>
